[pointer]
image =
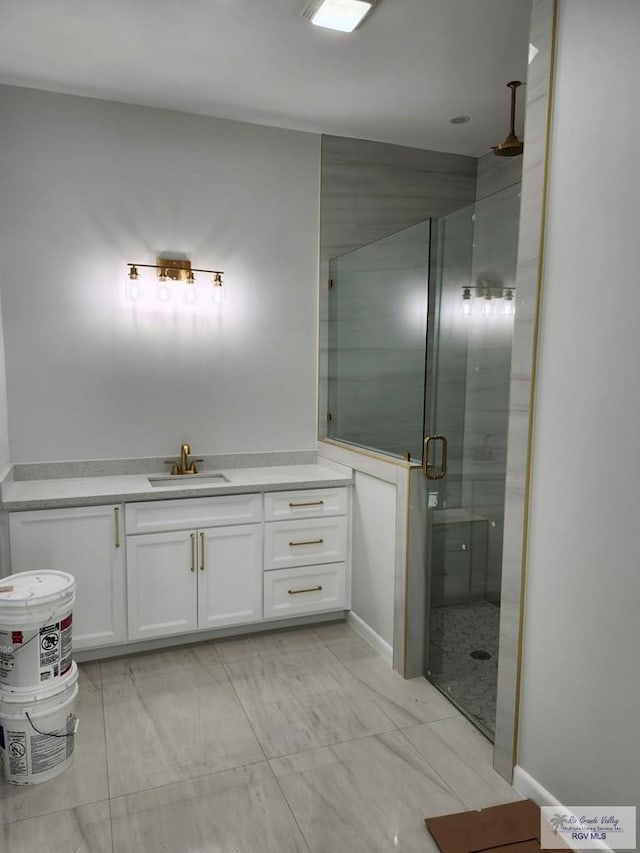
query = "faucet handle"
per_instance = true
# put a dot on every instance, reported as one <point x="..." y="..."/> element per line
<point x="193" y="465"/>
<point x="174" y="465"/>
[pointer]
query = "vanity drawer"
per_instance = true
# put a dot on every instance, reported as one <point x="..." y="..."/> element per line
<point x="304" y="542"/>
<point x="304" y="503"/>
<point x="289" y="592"/>
<point x="154" y="516"/>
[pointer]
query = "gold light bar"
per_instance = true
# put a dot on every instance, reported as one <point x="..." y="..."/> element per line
<point x="175" y="269"/>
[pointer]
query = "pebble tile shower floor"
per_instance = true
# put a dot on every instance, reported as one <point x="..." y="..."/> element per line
<point x="300" y="740"/>
<point x="464" y="657"/>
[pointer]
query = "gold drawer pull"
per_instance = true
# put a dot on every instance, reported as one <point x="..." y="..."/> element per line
<point x="308" y="542"/>
<point x="307" y="503"/>
<point x="202" y="552"/>
<point x="116" y="512"/>
<point x="193" y="552"/>
<point x="298" y="591"/>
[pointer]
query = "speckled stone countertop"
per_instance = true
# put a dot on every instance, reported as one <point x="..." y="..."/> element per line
<point x="87" y="491"/>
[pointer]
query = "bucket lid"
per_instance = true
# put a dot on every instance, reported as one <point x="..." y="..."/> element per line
<point x="11" y="697"/>
<point x="27" y="588"/>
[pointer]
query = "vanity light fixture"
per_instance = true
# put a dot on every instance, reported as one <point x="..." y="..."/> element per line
<point x="490" y="292"/>
<point x="342" y="15"/>
<point x="170" y="270"/>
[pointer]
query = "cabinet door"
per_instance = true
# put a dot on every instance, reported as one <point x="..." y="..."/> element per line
<point x="84" y="541"/>
<point x="230" y="575"/>
<point x="162" y="584"/>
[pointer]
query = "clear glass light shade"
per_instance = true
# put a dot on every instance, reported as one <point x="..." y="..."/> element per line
<point x="509" y="307"/>
<point x="190" y="294"/>
<point x="466" y="308"/>
<point x="487" y="307"/>
<point x="133" y="287"/>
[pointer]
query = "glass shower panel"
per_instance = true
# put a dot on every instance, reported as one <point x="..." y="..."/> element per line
<point x="377" y="343"/>
<point x="471" y="329"/>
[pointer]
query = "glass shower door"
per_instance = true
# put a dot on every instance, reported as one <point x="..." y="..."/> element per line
<point x="466" y="412"/>
<point x="377" y="338"/>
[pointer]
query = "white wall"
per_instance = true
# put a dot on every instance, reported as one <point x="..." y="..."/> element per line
<point x="4" y="421"/>
<point x="579" y="735"/>
<point x="88" y="185"/>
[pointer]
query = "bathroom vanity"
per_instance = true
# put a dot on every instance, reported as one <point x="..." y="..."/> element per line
<point x="189" y="560"/>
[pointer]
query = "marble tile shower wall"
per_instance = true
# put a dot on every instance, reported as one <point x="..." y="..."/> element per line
<point x="495" y="243"/>
<point x="370" y="190"/>
<point x="472" y="380"/>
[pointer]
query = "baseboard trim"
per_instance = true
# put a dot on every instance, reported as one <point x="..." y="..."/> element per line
<point x="530" y="788"/>
<point x="384" y="649"/>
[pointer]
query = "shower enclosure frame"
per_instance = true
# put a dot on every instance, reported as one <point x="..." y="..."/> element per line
<point x="409" y="478"/>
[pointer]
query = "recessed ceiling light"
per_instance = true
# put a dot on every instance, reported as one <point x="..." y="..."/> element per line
<point x="342" y="15"/>
<point x="459" y="119"/>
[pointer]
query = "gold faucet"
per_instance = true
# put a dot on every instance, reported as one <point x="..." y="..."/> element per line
<point x="185" y="467"/>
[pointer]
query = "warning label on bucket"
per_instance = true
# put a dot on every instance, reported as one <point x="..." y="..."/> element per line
<point x="16" y="746"/>
<point x="47" y="752"/>
<point x="55" y="649"/>
<point x="49" y="644"/>
<point x="27" y="658"/>
<point x="41" y="752"/>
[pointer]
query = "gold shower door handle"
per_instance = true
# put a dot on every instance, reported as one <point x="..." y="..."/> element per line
<point x="427" y="467"/>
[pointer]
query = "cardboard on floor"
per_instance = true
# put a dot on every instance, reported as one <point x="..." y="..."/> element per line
<point x="510" y="828"/>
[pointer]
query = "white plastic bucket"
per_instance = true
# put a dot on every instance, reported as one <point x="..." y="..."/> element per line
<point x="37" y="733"/>
<point x="35" y="629"/>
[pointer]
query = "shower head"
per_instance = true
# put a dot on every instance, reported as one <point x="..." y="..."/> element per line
<point x="512" y="146"/>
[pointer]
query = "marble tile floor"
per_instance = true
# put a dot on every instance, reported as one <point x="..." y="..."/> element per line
<point x="299" y="740"/>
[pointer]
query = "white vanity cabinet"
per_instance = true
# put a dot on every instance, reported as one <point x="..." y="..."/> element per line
<point x="306" y="552"/>
<point x="193" y="564"/>
<point x="88" y="543"/>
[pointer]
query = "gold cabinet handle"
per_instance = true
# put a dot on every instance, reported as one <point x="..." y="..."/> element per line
<point x="298" y="591"/>
<point x="202" y="552"/>
<point x="117" y="517"/>
<point x="193" y="552"/>
<point x="307" y="503"/>
<point x="427" y="467"/>
<point x="308" y="542"/>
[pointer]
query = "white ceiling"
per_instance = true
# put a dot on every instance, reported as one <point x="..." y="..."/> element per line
<point x="413" y="65"/>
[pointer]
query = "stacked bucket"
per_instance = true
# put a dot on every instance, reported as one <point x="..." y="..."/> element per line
<point x="38" y="678"/>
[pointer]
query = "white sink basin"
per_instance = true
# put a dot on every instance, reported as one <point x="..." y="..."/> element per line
<point x="181" y="480"/>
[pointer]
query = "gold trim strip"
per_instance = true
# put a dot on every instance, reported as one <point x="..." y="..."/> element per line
<point x="405" y="638"/>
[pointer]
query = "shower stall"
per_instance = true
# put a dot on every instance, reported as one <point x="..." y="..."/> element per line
<point x="420" y="332"/>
